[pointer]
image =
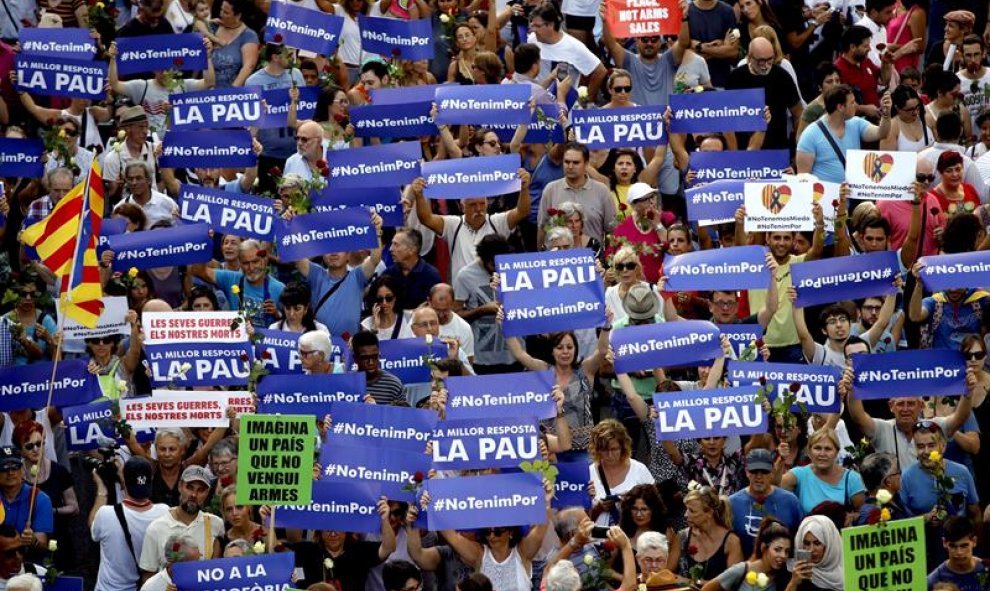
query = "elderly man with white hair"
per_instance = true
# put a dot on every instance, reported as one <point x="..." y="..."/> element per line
<point x="563" y="577"/>
<point x="181" y="548"/>
<point x="309" y="151"/>
<point x="315" y="353"/>
<point x="25" y="582"/>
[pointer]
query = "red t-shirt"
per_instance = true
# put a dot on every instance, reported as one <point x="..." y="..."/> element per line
<point x="969" y="196"/>
<point x="864" y="77"/>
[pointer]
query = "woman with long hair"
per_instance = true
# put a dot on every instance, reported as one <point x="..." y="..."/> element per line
<point x="769" y="561"/>
<point x="753" y="14"/>
<point x="708" y="539"/>
<point x="909" y="23"/>
<point x="387" y="318"/>
<point x="623" y="167"/>
<point x="460" y="70"/>
<point x="642" y="510"/>
<point x="909" y="131"/>
<point x="332" y="114"/>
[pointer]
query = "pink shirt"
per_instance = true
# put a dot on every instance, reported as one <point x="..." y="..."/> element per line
<point x="898" y="214"/>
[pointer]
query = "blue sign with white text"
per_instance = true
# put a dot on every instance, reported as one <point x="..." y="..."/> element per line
<point x="725" y="110"/>
<point x="955" y="271"/>
<point x="390" y="468"/>
<point x="473" y="502"/>
<point x="740" y="165"/>
<point x="155" y="53"/>
<point x="482" y="105"/>
<point x="464" y="178"/>
<point x="278" y="352"/>
<point x="697" y="414"/>
<point x="522" y="394"/>
<point x="215" y="108"/>
<point x="386" y="165"/>
<point x="844" y="278"/>
<point x="26" y="386"/>
<point x="571" y="486"/>
<point x="544" y="127"/>
<point x="88" y="426"/>
<point x="350" y="508"/>
<point x="393" y="120"/>
<point x="74" y="44"/>
<point x="229" y="213"/>
<point x="896" y="374"/>
<point x="467" y="444"/>
<point x="737" y="267"/>
<point x="741" y="336"/>
<point x="626" y="127"/>
<point x="309" y="394"/>
<point x="21" y="157"/>
<point x="670" y="344"/>
<point x="85" y="79"/>
<point x="197" y="149"/>
<point x="384" y="426"/>
<point x="315" y="234"/>
<point x="715" y="202"/>
<point x="404" y="358"/>
<point x="199" y="364"/>
<point x="187" y="244"/>
<point x="386" y="201"/>
<point x="396" y="38"/>
<point x="818" y="384"/>
<point x="277" y="102"/>
<point x="272" y="572"/>
<point x="303" y="28"/>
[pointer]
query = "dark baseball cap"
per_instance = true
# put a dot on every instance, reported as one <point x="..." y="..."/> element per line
<point x="137" y="477"/>
<point x="10" y="457"/>
<point x="759" y="459"/>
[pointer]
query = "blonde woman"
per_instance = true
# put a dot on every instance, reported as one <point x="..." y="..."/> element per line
<point x="824" y="479"/>
<point x="708" y="539"/>
<point x="628" y="271"/>
<point x="613" y="470"/>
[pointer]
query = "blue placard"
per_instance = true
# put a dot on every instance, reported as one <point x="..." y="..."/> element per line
<point x="62" y="583"/>
<point x="303" y="28"/>
<point x="571" y="487"/>
<point x="955" y="271"/>
<point x="393" y="120"/>
<point x="543" y="127"/>
<point x="348" y="508"/>
<point x="21" y="157"/>
<point x="385" y="426"/>
<point x="390" y="468"/>
<point x="109" y="227"/>
<point x="315" y="234"/>
<point x="397" y="38"/>
<point x="819" y="383"/>
<point x="187" y="244"/>
<point x="464" y="178"/>
<point x="85" y="79"/>
<point x="726" y="110"/>
<point x="239" y="214"/>
<point x="278" y="351"/>
<point x="473" y="502"/>
<point x="209" y="364"/>
<point x="626" y="127"/>
<point x="715" y="202"/>
<point x="386" y="165"/>
<point x="153" y="53"/>
<point x="386" y="201"/>
<point x="74" y="44"/>
<point x="272" y="572"/>
<point x="483" y="105"/>
<point x="737" y="267"/>
<point x="215" y="108"/>
<point x="741" y="336"/>
<point x="198" y="149"/>
<point x="523" y="394"/>
<point x="466" y="444"/>
<point x="897" y="374"/>
<point x="738" y="165"/>
<point x="26" y="386"/>
<point x="88" y="427"/>
<point x="276" y="101"/>
<point x="670" y="344"/>
<point x="309" y="394"/>
<point x="550" y="291"/>
<point x="844" y="278"/>
<point x="697" y="414"/>
<point x="404" y="358"/>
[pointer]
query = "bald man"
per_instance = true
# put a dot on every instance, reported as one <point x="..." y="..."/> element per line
<point x="441" y="300"/>
<point x="309" y="150"/>
<point x="424" y="322"/>
<point x="905" y="217"/>
<point x="781" y="95"/>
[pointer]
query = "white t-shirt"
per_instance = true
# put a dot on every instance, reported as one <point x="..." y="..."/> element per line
<point x="976" y="97"/>
<point x="463" y="250"/>
<point x="153" y="546"/>
<point x="118" y="572"/>
<point x="160" y="207"/>
<point x="158" y="582"/>
<point x="177" y="16"/>
<point x="638" y="474"/>
<point x="568" y="50"/>
<point x="350" y="38"/>
<point x="297" y="164"/>
<point x="580" y="7"/>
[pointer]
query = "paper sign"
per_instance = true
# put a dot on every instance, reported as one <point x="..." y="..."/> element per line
<point x="642" y="18"/>
<point x="174" y="408"/>
<point x="180" y="327"/>
<point x="888" y="558"/>
<point x="113" y="321"/>
<point x="879" y="175"/>
<point x="275" y="460"/>
<point x="779" y="206"/>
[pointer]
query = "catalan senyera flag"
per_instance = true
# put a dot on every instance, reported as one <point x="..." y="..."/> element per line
<point x="66" y="243"/>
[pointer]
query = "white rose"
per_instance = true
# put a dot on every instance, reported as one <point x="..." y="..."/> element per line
<point x="34" y="470"/>
<point x="327" y="563"/>
<point x="734" y="34"/>
<point x="642" y="587"/>
<point x="259" y="547"/>
<point x="52" y="545"/>
<point x="883" y="496"/>
<point x="444" y="18"/>
<point x="583" y="92"/>
<point x="121" y="385"/>
<point x="588" y="559"/>
<point x="762" y="579"/>
<point x="121" y="135"/>
<point x="429" y="339"/>
<point x="185" y="367"/>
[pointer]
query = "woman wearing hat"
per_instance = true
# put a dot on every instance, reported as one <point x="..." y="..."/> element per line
<point x="958" y="24"/>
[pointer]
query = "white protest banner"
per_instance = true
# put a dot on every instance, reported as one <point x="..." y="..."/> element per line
<point x="780" y="206"/>
<point x="874" y="174"/>
<point x="175" y="408"/>
<point x="182" y="327"/>
<point x="113" y="321"/>
<point x="197" y="348"/>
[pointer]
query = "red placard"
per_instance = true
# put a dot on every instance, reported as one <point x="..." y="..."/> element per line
<point x="643" y="18"/>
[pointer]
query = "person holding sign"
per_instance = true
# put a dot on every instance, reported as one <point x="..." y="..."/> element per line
<point x="251" y="289"/>
<point x="782" y="96"/>
<point x="825" y="479"/>
<point x="946" y="316"/>
<point x="837" y="328"/>
<point x="181" y="548"/>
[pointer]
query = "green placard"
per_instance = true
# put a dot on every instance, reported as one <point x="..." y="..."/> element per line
<point x="890" y="557"/>
<point x="275" y="460"/>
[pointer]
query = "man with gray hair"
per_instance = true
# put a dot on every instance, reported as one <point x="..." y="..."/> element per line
<point x="59" y="182"/>
<point x="25" y="582"/>
<point x="179" y="548"/>
<point x="158" y="207"/>
<point x="563" y="576"/>
<point x="251" y="289"/>
<point x="315" y="352"/>
<point x="309" y="151"/>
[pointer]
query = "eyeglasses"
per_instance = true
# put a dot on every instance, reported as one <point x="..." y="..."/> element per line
<point x="622" y="89"/>
<point x="834" y="321"/>
<point x="975" y="355"/>
<point x="426" y="324"/>
<point x="305" y="354"/>
<point x="342" y="101"/>
<point x="762" y="61"/>
<point x="31" y="446"/>
<point x="650" y="39"/>
<point x="641" y="510"/>
<point x="71" y="132"/>
<point x="625" y="266"/>
<point x="925" y="178"/>
<point x="101" y="340"/>
<point x="303" y="140"/>
<point x="872" y="308"/>
<point x="385" y="299"/>
<point x="929" y="426"/>
<point x="496" y="531"/>
<point x="724" y="304"/>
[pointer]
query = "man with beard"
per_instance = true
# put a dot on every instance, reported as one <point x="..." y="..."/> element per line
<point x="781" y="96"/>
<point x="250" y="288"/>
<point x="869" y="314"/>
<point x="188" y="518"/>
<point x="857" y="70"/>
<point x="974" y="78"/>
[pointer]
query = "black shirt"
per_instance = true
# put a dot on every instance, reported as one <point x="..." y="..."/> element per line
<point x="350" y="569"/>
<point x="136" y="28"/>
<point x="781" y="95"/>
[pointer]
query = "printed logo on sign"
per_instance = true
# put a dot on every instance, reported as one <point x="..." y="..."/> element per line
<point x="776" y="198"/>
<point x="817" y="192"/>
<point x="876" y="166"/>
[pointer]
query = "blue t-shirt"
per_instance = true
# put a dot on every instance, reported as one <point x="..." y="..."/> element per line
<point x="279" y="142"/>
<point x="956" y="321"/>
<point x="747" y="515"/>
<point x="271" y="289"/>
<point x="966" y="582"/>
<point x="812" y="490"/>
<point x="827" y="165"/>
<point x="918" y="494"/>
<point x="17" y="511"/>
<point x="342" y="311"/>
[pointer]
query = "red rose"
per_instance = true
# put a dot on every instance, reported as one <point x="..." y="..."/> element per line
<point x="396" y="52"/>
<point x="176" y="547"/>
<point x="226" y="481"/>
<point x="795" y="387"/>
<point x="651" y="214"/>
<point x="340" y="118"/>
<point x="244" y="356"/>
<point x="763" y="380"/>
<point x="835" y="203"/>
<point x="277" y="38"/>
<point x="692" y="550"/>
<point x="275" y="171"/>
<point x="326" y="68"/>
<point x="623" y="206"/>
<point x="873" y="517"/>
<point x="667" y="218"/>
<point x="321" y="163"/>
<point x="608" y="546"/>
<point x="346" y="336"/>
<point x="418" y="477"/>
<point x="664" y="245"/>
<point x="266" y="354"/>
<point x="552" y="211"/>
<point x="113" y="13"/>
<point x="179" y="62"/>
<point x="886" y="340"/>
<point x="262" y="253"/>
<point x="759" y="343"/>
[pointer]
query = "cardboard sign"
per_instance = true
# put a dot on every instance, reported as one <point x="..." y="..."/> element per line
<point x="275" y="460"/>
<point x="874" y="174"/>
<point x="642" y="18"/>
<point x="888" y="558"/>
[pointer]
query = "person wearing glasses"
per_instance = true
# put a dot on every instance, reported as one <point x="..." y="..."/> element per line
<point x="80" y="160"/>
<point x="12" y="562"/>
<point x="782" y="96"/>
<point x="113" y="365"/>
<point x="333" y="116"/>
<point x="53" y="479"/>
<point x="387" y="320"/>
<point x="35" y="340"/>
<point x="309" y="151"/>
<point x="16" y="496"/>
<point x="836" y="321"/>
<point x="921" y="496"/>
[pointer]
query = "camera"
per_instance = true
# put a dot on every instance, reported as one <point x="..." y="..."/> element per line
<point x="106" y="469"/>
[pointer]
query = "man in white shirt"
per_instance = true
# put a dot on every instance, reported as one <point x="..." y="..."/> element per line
<point x="158" y="207"/>
<point x="451" y="325"/>
<point x="119" y="547"/>
<point x="557" y="47"/>
<point x="309" y="150"/>
<point x="188" y="518"/>
<point x="182" y="548"/>
<point x="878" y="14"/>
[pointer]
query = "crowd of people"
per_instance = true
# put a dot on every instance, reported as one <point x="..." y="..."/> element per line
<point x="762" y="511"/>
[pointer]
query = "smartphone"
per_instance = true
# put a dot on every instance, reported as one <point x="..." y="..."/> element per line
<point x="802" y="554"/>
<point x="563" y="70"/>
<point x="599" y="532"/>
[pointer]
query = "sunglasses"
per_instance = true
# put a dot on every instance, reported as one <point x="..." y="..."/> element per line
<point x="650" y="39"/>
<point x="928" y="426"/>
<point x="925" y="178"/>
<point x="385" y="299"/>
<point x="496" y="531"/>
<point x="101" y="340"/>
<point x="31" y="446"/>
<point x="975" y="355"/>
<point x="492" y="143"/>
<point x="625" y="266"/>
<point x="70" y="132"/>
<point x="622" y="89"/>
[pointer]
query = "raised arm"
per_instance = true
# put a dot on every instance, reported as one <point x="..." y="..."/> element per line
<point x="804" y="335"/>
<point x="910" y="249"/>
<point x="371" y="262"/>
<point x="769" y="308"/>
<point x="521" y="211"/>
<point x="886" y="313"/>
<point x="917" y="312"/>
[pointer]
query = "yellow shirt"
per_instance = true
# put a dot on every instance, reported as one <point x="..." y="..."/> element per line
<point x="619" y="195"/>
<point x="781" y="331"/>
